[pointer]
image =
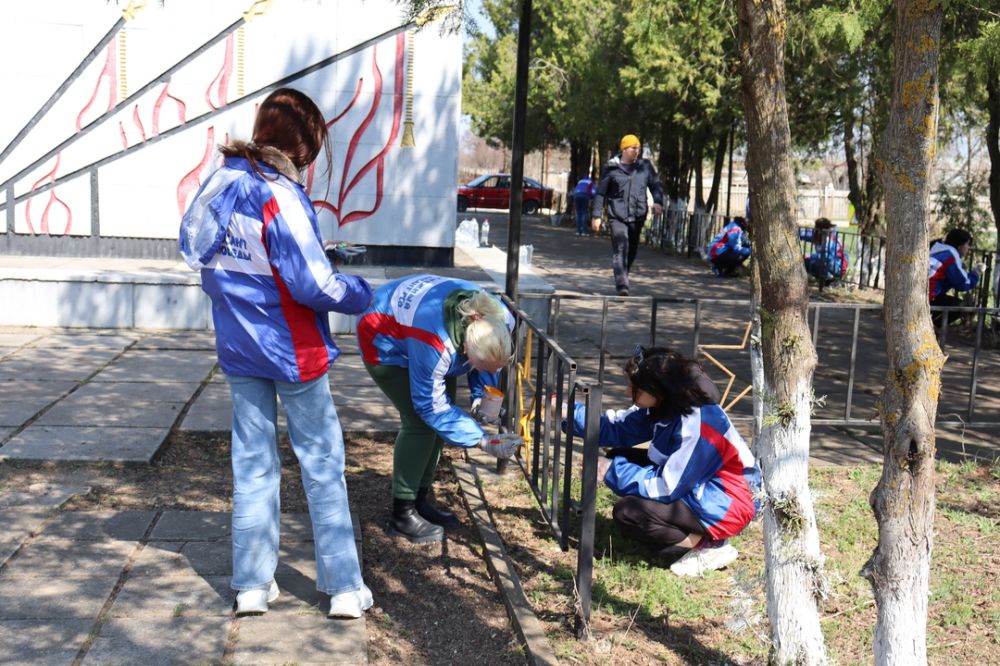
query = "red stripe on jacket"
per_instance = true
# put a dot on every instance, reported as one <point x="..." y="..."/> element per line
<point x="311" y="354"/>
<point x="378" y="323"/>
<point x="939" y="276"/>
<point x="741" y="509"/>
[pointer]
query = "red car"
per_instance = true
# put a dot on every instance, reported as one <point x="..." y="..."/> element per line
<point x="493" y="191"/>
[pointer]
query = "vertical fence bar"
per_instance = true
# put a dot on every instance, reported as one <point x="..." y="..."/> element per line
<point x="878" y="270"/>
<point x="654" y="308"/>
<point x="542" y="390"/>
<point x="554" y="323"/>
<point x="815" y="325"/>
<point x="980" y="322"/>
<point x="554" y="460"/>
<point x="567" y="491"/>
<point x="850" y="372"/>
<point x="604" y="339"/>
<point x="697" y="328"/>
<point x="588" y="507"/>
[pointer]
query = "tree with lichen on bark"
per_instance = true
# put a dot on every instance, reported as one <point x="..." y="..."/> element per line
<point x="903" y="500"/>
<point x="783" y="356"/>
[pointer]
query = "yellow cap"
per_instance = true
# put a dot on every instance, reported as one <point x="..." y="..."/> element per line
<point x="628" y="141"/>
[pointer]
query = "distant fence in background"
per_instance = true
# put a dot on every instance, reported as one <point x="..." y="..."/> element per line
<point x="680" y="232"/>
<point x="601" y="331"/>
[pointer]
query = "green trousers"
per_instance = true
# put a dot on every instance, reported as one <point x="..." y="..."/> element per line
<point x="418" y="446"/>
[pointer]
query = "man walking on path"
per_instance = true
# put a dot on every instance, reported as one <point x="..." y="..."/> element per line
<point x="624" y="181"/>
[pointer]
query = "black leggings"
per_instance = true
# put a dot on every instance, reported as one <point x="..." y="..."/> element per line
<point x="659" y="525"/>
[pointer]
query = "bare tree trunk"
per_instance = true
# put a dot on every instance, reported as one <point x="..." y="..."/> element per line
<point x="795" y="580"/>
<point x="993" y="148"/>
<point x="903" y="500"/>
<point x="717" y="164"/>
<point x="854" y="194"/>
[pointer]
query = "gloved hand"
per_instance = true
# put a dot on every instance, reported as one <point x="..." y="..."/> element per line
<point x="479" y="416"/>
<point x="503" y="445"/>
<point x="980" y="268"/>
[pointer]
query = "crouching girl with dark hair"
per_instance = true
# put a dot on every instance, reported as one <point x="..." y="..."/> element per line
<point x="697" y="485"/>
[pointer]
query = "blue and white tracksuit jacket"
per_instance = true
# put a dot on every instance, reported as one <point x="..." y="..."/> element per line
<point x="258" y="247"/>
<point x="731" y="239"/>
<point x="946" y="272"/>
<point x="830" y="259"/>
<point x="407" y="326"/>
<point x="699" y="459"/>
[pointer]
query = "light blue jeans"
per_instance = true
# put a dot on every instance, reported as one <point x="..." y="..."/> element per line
<point x="318" y="443"/>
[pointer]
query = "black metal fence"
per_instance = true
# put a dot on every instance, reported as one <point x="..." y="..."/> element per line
<point x="599" y="332"/>
<point x="560" y="467"/>
<point x="683" y="233"/>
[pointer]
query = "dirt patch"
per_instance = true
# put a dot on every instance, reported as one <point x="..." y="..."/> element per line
<point x="433" y="604"/>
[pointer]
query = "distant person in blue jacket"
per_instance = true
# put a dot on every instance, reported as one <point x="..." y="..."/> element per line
<point x="420" y="334"/>
<point x="730" y="248"/>
<point x="583" y="194"/>
<point x="252" y="232"/>
<point x="697" y="484"/>
<point x="946" y="272"/>
<point x="828" y="261"/>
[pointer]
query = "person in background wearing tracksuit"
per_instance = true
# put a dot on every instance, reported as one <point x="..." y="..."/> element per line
<point x="946" y="272"/>
<point x="252" y="232"/>
<point x="583" y="194"/>
<point x="730" y="248"/>
<point x="698" y="483"/>
<point x="624" y="181"/>
<point x="419" y="335"/>
<point x="828" y="260"/>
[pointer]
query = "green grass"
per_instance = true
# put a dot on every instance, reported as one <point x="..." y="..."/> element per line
<point x="642" y="609"/>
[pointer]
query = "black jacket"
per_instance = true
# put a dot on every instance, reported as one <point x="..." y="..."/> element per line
<point x="623" y="187"/>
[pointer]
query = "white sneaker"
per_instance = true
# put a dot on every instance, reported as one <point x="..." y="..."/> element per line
<point x="351" y="604"/>
<point x="254" y="602"/>
<point x="700" y="560"/>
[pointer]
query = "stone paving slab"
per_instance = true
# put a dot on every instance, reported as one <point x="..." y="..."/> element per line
<point x="23" y="400"/>
<point x="170" y="559"/>
<point x="42" y="642"/>
<point x="191" y="340"/>
<point x="298" y="527"/>
<point x="192" y="526"/>
<point x="143" y="405"/>
<point x="161" y="641"/>
<point x="364" y="416"/>
<point x="21" y="521"/>
<point x="99" y="525"/>
<point x="159" y="366"/>
<point x="347" y="343"/>
<point x="69" y="558"/>
<point x="16" y="525"/>
<point x="9" y="545"/>
<point x="53" y="597"/>
<point x="54" y="364"/>
<point x="187" y="596"/>
<point x="212" y="411"/>
<point x="41" y="495"/>
<point x="86" y="340"/>
<point x="312" y="638"/>
<point x="13" y="339"/>
<point x="112" y="444"/>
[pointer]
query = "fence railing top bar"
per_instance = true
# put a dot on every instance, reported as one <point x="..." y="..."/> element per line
<point x="543" y="337"/>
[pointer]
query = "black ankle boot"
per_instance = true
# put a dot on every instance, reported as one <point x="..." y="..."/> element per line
<point x="406" y="522"/>
<point x="432" y="513"/>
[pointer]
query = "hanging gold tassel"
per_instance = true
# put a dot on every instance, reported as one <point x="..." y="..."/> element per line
<point x="407" y="140"/>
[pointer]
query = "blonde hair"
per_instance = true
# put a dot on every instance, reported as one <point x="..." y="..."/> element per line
<point x="486" y="335"/>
